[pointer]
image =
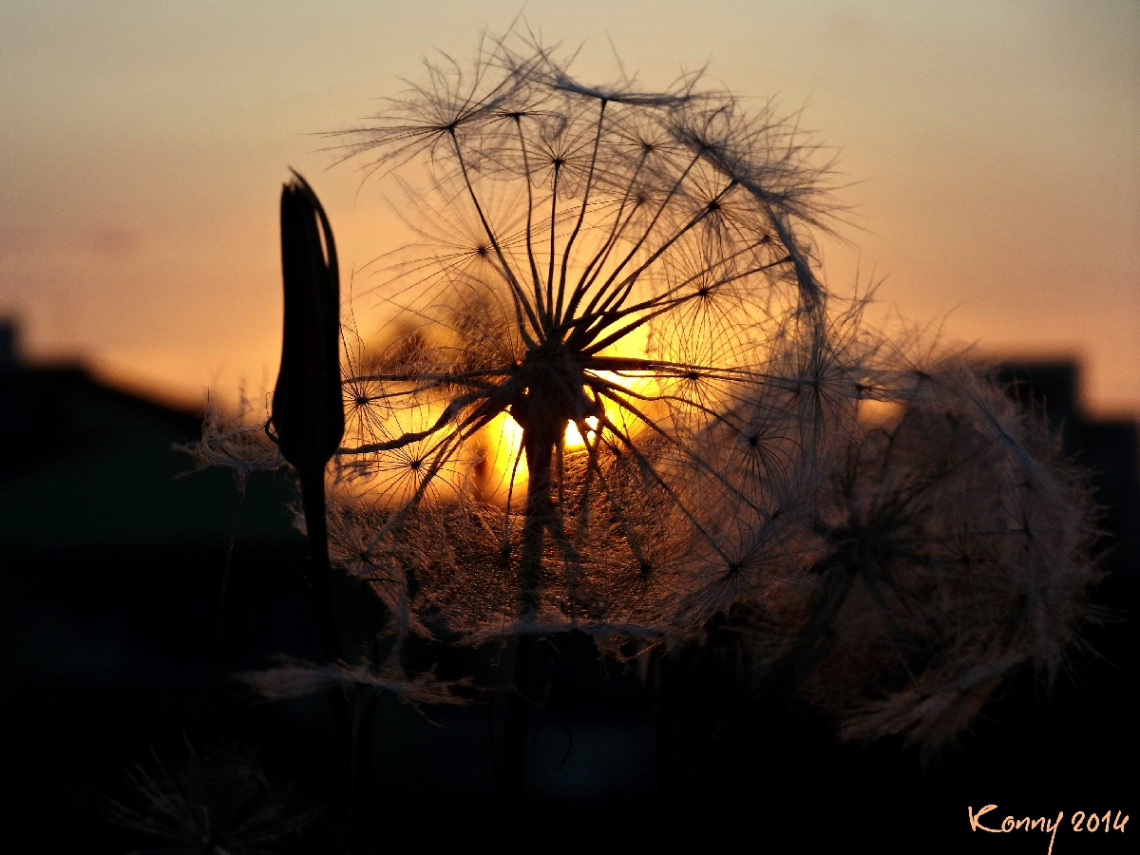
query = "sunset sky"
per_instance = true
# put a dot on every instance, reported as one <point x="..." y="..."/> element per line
<point x="989" y="152"/>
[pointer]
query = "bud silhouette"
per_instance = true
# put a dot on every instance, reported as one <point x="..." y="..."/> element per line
<point x="308" y="415"/>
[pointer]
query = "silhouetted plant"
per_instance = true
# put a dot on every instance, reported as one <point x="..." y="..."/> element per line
<point x="613" y="395"/>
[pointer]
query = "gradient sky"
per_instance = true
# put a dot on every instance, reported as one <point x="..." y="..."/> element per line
<point x="990" y="152"/>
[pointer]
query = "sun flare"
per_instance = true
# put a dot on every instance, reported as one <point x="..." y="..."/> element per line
<point x="503" y="465"/>
<point x="573" y="437"/>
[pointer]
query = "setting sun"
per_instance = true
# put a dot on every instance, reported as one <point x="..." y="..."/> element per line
<point x="574" y="438"/>
<point x="504" y="463"/>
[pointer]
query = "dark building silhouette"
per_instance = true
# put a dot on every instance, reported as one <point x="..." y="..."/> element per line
<point x="1108" y="448"/>
<point x="112" y="554"/>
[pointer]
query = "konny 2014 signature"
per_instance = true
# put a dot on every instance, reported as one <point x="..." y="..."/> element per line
<point x="1079" y="821"/>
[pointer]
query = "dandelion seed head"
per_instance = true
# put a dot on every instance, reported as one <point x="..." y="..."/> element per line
<point x="614" y="394"/>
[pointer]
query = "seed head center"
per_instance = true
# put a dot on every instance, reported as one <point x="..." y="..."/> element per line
<point x="553" y="386"/>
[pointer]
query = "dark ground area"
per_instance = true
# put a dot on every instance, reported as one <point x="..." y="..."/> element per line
<point x="108" y="651"/>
